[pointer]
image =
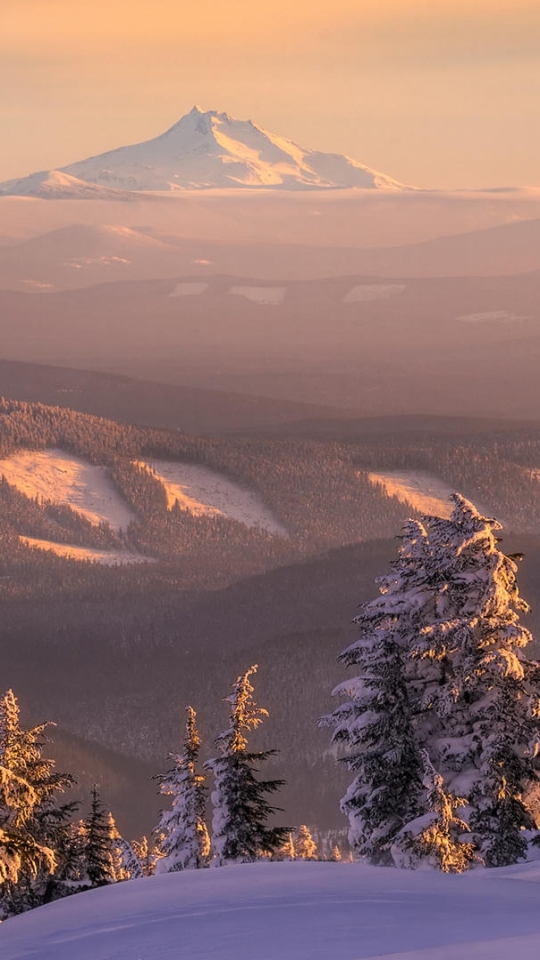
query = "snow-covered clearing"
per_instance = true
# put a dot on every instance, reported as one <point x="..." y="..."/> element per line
<point x="492" y="316"/>
<point x="373" y="291"/>
<point x="266" y="295"/>
<point x="202" y="491"/>
<point x="111" y="558"/>
<point x="57" y="476"/>
<point x="188" y="289"/>
<point x="422" y="491"/>
<point x="289" y="911"/>
<point x="427" y="494"/>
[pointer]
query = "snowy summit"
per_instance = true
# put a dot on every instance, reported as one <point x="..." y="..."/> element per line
<point x="204" y="149"/>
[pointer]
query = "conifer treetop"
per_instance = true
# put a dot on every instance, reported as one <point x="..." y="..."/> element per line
<point x="245" y="714"/>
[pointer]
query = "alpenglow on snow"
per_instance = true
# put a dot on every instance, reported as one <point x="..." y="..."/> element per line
<point x="205" y="149"/>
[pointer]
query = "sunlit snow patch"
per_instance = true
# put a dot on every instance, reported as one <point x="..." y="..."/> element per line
<point x="111" y="558"/>
<point x="373" y="291"/>
<point x="422" y="491"/>
<point x="204" y="492"/>
<point x="57" y="476"/>
<point x="492" y="316"/>
<point x="266" y="295"/>
<point x="188" y="289"/>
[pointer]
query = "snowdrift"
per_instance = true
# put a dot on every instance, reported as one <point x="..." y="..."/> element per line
<point x="290" y="911"/>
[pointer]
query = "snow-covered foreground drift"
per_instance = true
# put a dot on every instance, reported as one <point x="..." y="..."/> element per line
<point x="202" y="491"/>
<point x="57" y="476"/>
<point x="290" y="911"/>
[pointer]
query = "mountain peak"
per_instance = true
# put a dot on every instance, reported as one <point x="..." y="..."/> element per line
<point x="210" y="149"/>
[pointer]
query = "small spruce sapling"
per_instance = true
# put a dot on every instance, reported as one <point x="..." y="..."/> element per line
<point x="435" y="839"/>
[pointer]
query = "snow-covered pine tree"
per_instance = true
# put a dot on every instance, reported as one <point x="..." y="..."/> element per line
<point x="241" y="810"/>
<point x="305" y="847"/>
<point x="32" y="820"/>
<point x="478" y="682"/>
<point x="184" y="839"/>
<point x="375" y="723"/>
<point x="99" y="844"/>
<point x="435" y="838"/>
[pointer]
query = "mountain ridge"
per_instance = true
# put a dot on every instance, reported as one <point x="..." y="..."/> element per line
<point x="203" y="150"/>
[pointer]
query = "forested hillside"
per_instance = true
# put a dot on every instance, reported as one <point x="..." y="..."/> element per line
<point x="114" y="653"/>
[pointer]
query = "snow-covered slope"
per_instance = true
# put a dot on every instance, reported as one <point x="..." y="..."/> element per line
<point x="289" y="911"/>
<point x="204" y="149"/>
<point x="57" y="185"/>
<point x="204" y="492"/>
<point x="57" y="476"/>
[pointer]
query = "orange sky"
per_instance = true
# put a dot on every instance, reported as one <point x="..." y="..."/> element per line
<point x="433" y="93"/>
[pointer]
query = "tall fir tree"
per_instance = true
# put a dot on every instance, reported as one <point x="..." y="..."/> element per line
<point x="182" y="831"/>
<point x="443" y="668"/>
<point x="375" y="723"/>
<point x="241" y="808"/>
<point x="479" y="683"/>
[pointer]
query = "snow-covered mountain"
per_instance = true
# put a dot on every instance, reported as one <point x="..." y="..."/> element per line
<point x="204" y="150"/>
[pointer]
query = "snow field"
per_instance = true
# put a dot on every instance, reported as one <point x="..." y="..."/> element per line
<point x="289" y="911"/>
<point x="264" y="295"/>
<point x="204" y="492"/>
<point x="111" y="558"/>
<point x="57" y="476"/>
<point x="371" y="291"/>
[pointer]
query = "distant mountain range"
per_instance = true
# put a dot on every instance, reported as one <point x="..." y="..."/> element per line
<point x="203" y="150"/>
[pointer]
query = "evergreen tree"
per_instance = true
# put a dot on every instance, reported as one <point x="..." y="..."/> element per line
<point x="305" y="847"/>
<point x="376" y="723"/>
<point x="99" y="844"/>
<point x="241" y="810"/>
<point x="434" y="839"/>
<point x="184" y="842"/>
<point x="31" y="820"/>
<point x="443" y="668"/>
<point x="478" y="683"/>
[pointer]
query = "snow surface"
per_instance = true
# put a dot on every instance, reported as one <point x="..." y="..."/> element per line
<point x="111" y="558"/>
<point x="188" y="289"/>
<point x="271" y="295"/>
<point x="373" y="291"/>
<point x="57" y="476"/>
<point x="203" y="150"/>
<point x="202" y="491"/>
<point x="289" y="911"/>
